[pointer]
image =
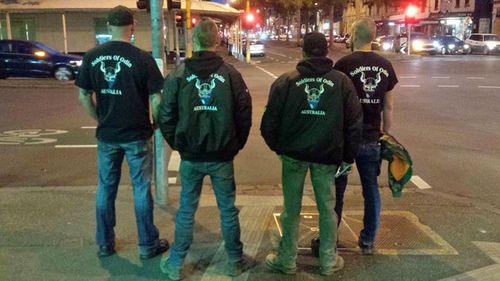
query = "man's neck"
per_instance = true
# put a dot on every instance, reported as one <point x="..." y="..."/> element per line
<point x="364" y="48"/>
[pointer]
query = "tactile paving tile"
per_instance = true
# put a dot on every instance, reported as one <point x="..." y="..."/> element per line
<point x="400" y="233"/>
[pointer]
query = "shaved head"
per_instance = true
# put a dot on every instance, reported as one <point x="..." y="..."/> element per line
<point x="363" y="32"/>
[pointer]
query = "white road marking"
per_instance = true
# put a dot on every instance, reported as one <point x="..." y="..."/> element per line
<point x="409" y="86"/>
<point x="76" y="146"/>
<point x="489" y="87"/>
<point x="448" y="86"/>
<point x="89" y="127"/>
<point x="172" y="180"/>
<point x="440" y="77"/>
<point x="175" y="161"/>
<point x="487" y="273"/>
<point x="420" y="183"/>
<point x="277" y="54"/>
<point x="407" y="77"/>
<point x="267" y="72"/>
<point x="472" y="77"/>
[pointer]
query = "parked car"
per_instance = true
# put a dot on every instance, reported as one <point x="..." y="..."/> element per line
<point x="19" y="58"/>
<point x="484" y="43"/>
<point x="256" y="48"/>
<point x="448" y="44"/>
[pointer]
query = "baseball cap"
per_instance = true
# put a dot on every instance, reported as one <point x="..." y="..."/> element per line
<point x="315" y="44"/>
<point x="120" y="16"/>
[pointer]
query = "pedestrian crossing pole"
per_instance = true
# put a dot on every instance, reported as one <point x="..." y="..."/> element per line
<point x="157" y="44"/>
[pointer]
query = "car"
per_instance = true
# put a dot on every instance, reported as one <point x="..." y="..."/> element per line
<point x="21" y="58"/>
<point x="448" y="44"/>
<point x="420" y="43"/>
<point x="485" y="43"/>
<point x="383" y="43"/>
<point x="256" y="48"/>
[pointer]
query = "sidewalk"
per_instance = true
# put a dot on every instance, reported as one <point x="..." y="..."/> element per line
<point x="48" y="234"/>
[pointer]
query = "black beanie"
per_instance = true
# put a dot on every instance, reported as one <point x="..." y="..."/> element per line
<point x="315" y="45"/>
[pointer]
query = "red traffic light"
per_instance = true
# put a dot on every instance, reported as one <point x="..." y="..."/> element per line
<point x="249" y="20"/>
<point x="249" y="17"/>
<point x="412" y="11"/>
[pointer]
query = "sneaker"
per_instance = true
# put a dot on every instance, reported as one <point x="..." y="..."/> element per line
<point x="366" y="249"/>
<point x="273" y="262"/>
<point x="173" y="272"/>
<point x="106" y="251"/>
<point x="339" y="264"/>
<point x="162" y="248"/>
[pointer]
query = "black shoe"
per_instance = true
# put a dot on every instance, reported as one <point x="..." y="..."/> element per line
<point x="162" y="248"/>
<point x="366" y="249"/>
<point x="105" y="251"/>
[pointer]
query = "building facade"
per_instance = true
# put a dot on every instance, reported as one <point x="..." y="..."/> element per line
<point x="76" y="26"/>
<point x="444" y="17"/>
<point x="496" y="17"/>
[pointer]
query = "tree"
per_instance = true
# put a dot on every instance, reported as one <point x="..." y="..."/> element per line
<point x="330" y="6"/>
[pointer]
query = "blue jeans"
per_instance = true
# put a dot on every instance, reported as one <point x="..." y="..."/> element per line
<point x="109" y="164"/>
<point x="222" y="178"/>
<point x="368" y="165"/>
<point x="293" y="176"/>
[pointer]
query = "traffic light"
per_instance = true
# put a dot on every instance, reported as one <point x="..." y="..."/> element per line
<point x="411" y="13"/>
<point x="249" y="20"/>
<point x="143" y="4"/>
<point x="179" y="20"/>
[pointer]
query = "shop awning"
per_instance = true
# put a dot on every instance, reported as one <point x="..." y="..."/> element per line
<point x="43" y="6"/>
<point x="401" y="17"/>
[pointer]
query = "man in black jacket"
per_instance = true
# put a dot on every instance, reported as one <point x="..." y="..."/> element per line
<point x="312" y="121"/>
<point x="205" y="114"/>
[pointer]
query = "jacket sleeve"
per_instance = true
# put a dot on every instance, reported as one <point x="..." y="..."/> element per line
<point x="242" y="107"/>
<point x="168" y="111"/>
<point x="271" y="120"/>
<point x="353" y="121"/>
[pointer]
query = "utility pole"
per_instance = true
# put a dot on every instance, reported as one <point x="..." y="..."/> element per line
<point x="157" y="43"/>
<point x="247" y="43"/>
<point x="189" y="46"/>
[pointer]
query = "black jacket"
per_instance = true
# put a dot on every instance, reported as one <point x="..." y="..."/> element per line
<point x="206" y="109"/>
<point x="313" y="114"/>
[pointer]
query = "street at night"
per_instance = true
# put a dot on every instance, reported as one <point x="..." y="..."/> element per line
<point x="446" y="223"/>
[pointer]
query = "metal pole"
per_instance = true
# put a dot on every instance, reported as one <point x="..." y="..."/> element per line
<point x="247" y="43"/>
<point x="176" y="42"/>
<point x="9" y="29"/>
<point x="189" y="48"/>
<point x="157" y="44"/>
<point x="408" y="41"/>
<point x="65" y="34"/>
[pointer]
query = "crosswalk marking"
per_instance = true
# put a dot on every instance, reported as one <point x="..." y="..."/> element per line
<point x="420" y="183"/>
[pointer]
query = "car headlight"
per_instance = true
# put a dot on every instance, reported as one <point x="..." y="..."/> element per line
<point x="451" y="46"/>
<point x="76" y="62"/>
<point x="491" y="46"/>
<point x="418" y="45"/>
<point x="386" y="46"/>
<point x="436" y="44"/>
<point x="466" y="46"/>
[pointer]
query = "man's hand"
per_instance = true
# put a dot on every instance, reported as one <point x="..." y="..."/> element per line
<point x="344" y="169"/>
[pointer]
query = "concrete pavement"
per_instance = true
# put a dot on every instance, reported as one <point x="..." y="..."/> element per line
<point x="47" y="233"/>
